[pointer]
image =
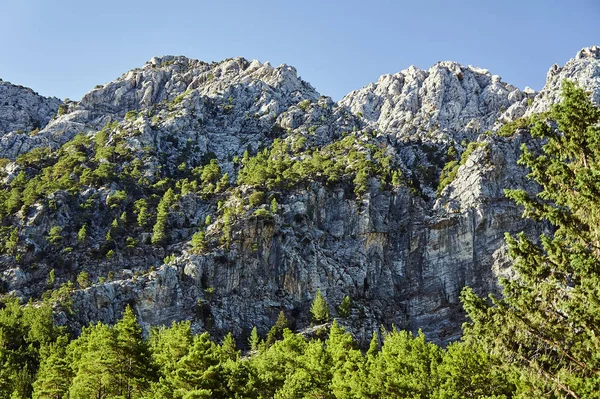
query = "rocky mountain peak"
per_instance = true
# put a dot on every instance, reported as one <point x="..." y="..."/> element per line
<point x="588" y="52"/>
<point x="248" y="88"/>
<point x="584" y="70"/>
<point x="448" y="100"/>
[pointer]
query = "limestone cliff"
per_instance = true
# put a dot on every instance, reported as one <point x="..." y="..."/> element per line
<point x="383" y="235"/>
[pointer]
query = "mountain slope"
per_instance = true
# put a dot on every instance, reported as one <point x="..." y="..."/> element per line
<point x="223" y="193"/>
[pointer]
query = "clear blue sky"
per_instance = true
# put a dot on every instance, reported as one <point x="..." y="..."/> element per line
<point x="65" y="48"/>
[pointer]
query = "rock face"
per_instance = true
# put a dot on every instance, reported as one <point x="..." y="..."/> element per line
<point x="248" y="87"/>
<point x="448" y="99"/>
<point x="23" y="110"/>
<point x="583" y="69"/>
<point x="401" y="250"/>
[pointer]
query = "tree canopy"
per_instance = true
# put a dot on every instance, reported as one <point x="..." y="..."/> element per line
<point x="547" y="321"/>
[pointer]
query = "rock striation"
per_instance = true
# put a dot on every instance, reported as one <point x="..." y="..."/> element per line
<point x="401" y="251"/>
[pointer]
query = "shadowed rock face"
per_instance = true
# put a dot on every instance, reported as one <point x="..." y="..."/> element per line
<point x="401" y="253"/>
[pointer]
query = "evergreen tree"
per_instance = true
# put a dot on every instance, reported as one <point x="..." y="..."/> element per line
<point x="82" y="234"/>
<point x="23" y="331"/>
<point x="170" y="345"/>
<point x="468" y="371"/>
<point x="141" y="209"/>
<point x="548" y="318"/>
<point x="95" y="361"/>
<point x="134" y="368"/>
<point x="254" y="339"/>
<point x="55" y="374"/>
<point x="159" y="235"/>
<point x="198" y="242"/>
<point x="228" y="348"/>
<point x="83" y="279"/>
<point x="310" y="376"/>
<point x="405" y="367"/>
<point x="274" y="205"/>
<point x="319" y="309"/>
<point x="273" y="366"/>
<point x="276" y="332"/>
<point x="198" y="372"/>
<point x="345" y="307"/>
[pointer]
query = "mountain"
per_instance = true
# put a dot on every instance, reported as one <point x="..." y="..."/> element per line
<point x="223" y="193"/>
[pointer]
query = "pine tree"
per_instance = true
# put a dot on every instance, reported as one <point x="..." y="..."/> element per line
<point x="94" y="361"/>
<point x="254" y="339"/>
<point x="55" y="374"/>
<point x="344" y="309"/>
<point x="159" y="235"/>
<point x="198" y="242"/>
<point x="143" y="216"/>
<point x="276" y="332"/>
<point x="199" y="371"/>
<point x="82" y="234"/>
<point x="170" y="345"/>
<point x="229" y="349"/>
<point x="274" y="205"/>
<point x="548" y="318"/>
<point x="319" y="309"/>
<point x="134" y="368"/>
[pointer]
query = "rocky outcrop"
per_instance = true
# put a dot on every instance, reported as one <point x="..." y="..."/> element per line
<point x="198" y="90"/>
<point x="401" y="252"/>
<point x="22" y="110"/>
<point x="447" y="100"/>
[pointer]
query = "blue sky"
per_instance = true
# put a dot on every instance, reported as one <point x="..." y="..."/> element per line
<point x="65" y="48"/>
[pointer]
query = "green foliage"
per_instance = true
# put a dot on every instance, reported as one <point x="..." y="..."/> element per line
<point x="134" y="366"/>
<point x="9" y="239"/>
<point x="24" y="332"/>
<point x="131" y="115"/>
<point x="115" y="200"/>
<point x="262" y="214"/>
<point x="159" y="235"/>
<point x="51" y="279"/>
<point x="119" y="362"/>
<point x="304" y="105"/>
<point x="546" y="323"/>
<point x="55" y="373"/>
<point x="254" y="340"/>
<point x="276" y="332"/>
<point x="62" y="109"/>
<point x="274" y="206"/>
<point x="83" y="279"/>
<point x="451" y="168"/>
<point x="141" y="210"/>
<point x="198" y="242"/>
<point x="54" y="235"/>
<point x="509" y="129"/>
<point x="256" y="198"/>
<point x="345" y="307"/>
<point x="169" y="260"/>
<point x="319" y="309"/>
<point x="82" y="234"/>
<point x="347" y="160"/>
<point x="211" y="172"/>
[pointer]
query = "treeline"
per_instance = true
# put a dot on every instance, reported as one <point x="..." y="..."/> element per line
<point x="40" y="360"/>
